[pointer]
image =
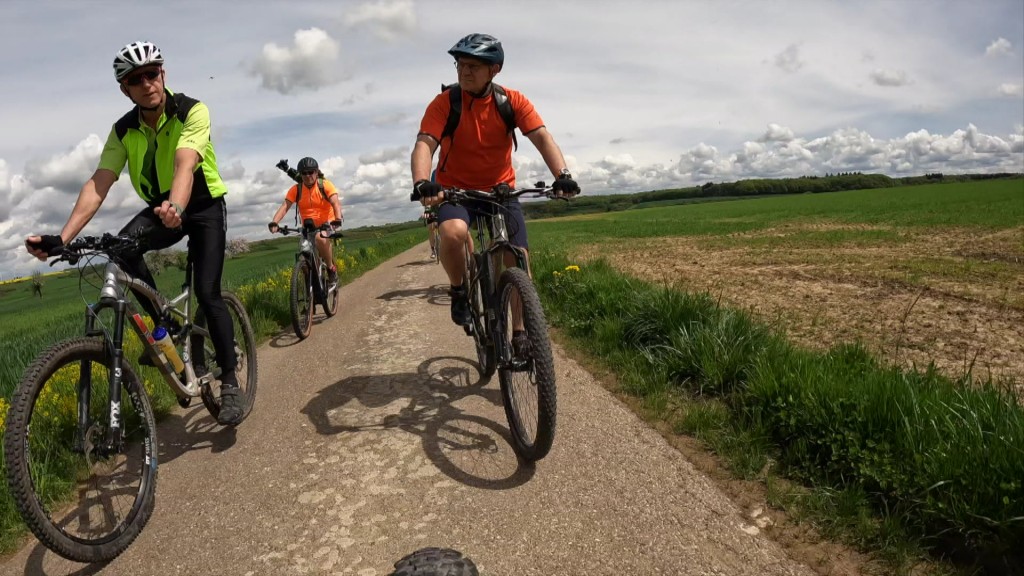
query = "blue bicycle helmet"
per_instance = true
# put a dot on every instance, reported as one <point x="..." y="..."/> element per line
<point x="480" y="46"/>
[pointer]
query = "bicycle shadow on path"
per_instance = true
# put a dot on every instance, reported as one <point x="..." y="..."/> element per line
<point x="429" y="262"/>
<point x="192" y="429"/>
<point x="35" y="562"/>
<point x="436" y="294"/>
<point x="466" y="446"/>
<point x="286" y="337"/>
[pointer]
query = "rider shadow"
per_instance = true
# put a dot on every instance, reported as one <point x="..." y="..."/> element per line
<point x="192" y="430"/>
<point x="436" y="294"/>
<point x="468" y="448"/>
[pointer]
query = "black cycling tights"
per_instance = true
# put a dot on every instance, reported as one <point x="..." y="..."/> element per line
<point x="206" y="228"/>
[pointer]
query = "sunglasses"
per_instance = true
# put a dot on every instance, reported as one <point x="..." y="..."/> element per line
<point x="308" y="173"/>
<point x="472" y="67"/>
<point x="136" y="79"/>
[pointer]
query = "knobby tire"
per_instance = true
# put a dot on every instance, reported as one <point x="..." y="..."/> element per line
<point x="58" y="414"/>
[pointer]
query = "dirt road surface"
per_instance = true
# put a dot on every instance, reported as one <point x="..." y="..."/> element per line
<point x="375" y="437"/>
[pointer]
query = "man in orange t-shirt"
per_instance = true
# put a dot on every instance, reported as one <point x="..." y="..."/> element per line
<point x="314" y="205"/>
<point x="477" y="156"/>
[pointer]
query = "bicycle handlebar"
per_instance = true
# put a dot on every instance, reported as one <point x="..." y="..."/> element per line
<point x="108" y="244"/>
<point x="325" y="227"/>
<point x="499" y="193"/>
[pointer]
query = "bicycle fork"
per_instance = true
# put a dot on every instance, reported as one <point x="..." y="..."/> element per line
<point x="113" y="443"/>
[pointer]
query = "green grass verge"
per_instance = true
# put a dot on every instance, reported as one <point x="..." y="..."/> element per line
<point x="933" y="464"/>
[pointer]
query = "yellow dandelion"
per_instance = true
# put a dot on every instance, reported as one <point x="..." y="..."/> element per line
<point x="3" y="412"/>
<point x="572" y="268"/>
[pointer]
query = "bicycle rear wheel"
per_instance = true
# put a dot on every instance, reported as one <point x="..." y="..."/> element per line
<point x="83" y="500"/>
<point x="246" y="370"/>
<point x="527" y="371"/>
<point x="485" y="356"/>
<point x="302" y="299"/>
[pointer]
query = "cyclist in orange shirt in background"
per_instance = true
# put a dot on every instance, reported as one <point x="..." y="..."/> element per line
<point x="478" y="155"/>
<point x="318" y="201"/>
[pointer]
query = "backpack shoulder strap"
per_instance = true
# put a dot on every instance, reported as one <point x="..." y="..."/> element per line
<point x="298" y="196"/>
<point x="455" y="111"/>
<point x="505" y="111"/>
<point x="320" y="184"/>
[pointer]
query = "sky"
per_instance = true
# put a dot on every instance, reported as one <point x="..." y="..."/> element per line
<point x="639" y="95"/>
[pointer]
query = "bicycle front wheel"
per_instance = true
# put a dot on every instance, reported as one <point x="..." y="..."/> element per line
<point x="486" y="359"/>
<point x="83" y="499"/>
<point x="332" y="293"/>
<point x="526" y="370"/>
<point x="302" y="298"/>
<point x="246" y="370"/>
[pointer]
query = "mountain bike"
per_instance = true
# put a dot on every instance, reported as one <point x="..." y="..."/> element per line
<point x="80" y="444"/>
<point x="501" y="305"/>
<point x="310" y="282"/>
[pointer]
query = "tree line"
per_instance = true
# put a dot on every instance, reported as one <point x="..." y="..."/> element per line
<point x="743" y="188"/>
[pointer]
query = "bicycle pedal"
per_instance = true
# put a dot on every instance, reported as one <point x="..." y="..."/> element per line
<point x="469" y="329"/>
<point x="185" y="402"/>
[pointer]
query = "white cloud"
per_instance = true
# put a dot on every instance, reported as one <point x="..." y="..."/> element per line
<point x="311" y="63"/>
<point x="67" y="171"/>
<point x="789" y="59"/>
<point x="1012" y="90"/>
<point x="999" y="47"/>
<point x="889" y="77"/>
<point x="776" y="133"/>
<point x="387" y="20"/>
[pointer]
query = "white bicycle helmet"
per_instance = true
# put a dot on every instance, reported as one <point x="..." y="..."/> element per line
<point x="134" y="56"/>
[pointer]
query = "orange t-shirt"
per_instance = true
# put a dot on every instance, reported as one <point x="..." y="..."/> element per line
<point x="313" y="204"/>
<point x="479" y="155"/>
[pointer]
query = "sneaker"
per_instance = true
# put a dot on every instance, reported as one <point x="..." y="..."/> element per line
<point x="460" y="306"/>
<point x="520" y="344"/>
<point x="332" y="276"/>
<point x="433" y="255"/>
<point x="230" y="406"/>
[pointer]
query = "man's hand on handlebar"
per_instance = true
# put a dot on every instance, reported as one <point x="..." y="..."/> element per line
<point x="427" y="192"/>
<point x="42" y="247"/>
<point x="273" y="227"/>
<point x="565" y="187"/>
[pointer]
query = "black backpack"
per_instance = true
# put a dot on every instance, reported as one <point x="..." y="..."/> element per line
<point x="501" y="101"/>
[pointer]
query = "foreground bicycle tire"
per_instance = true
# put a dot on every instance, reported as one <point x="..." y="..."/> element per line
<point x="435" y="562"/>
<point x="247" y="368"/>
<point x="528" y="391"/>
<point x="38" y="407"/>
<point x="302" y="299"/>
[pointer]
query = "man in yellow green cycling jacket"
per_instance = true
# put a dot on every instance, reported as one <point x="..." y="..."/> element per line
<point x="165" y="143"/>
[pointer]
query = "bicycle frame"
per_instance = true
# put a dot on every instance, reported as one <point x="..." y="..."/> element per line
<point x="307" y="249"/>
<point x="489" y="260"/>
<point x="113" y="295"/>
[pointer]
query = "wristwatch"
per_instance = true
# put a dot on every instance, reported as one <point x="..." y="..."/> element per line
<point x="565" y="174"/>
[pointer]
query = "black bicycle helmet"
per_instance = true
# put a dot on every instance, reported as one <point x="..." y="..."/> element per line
<point x="307" y="164"/>
<point x="480" y="46"/>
